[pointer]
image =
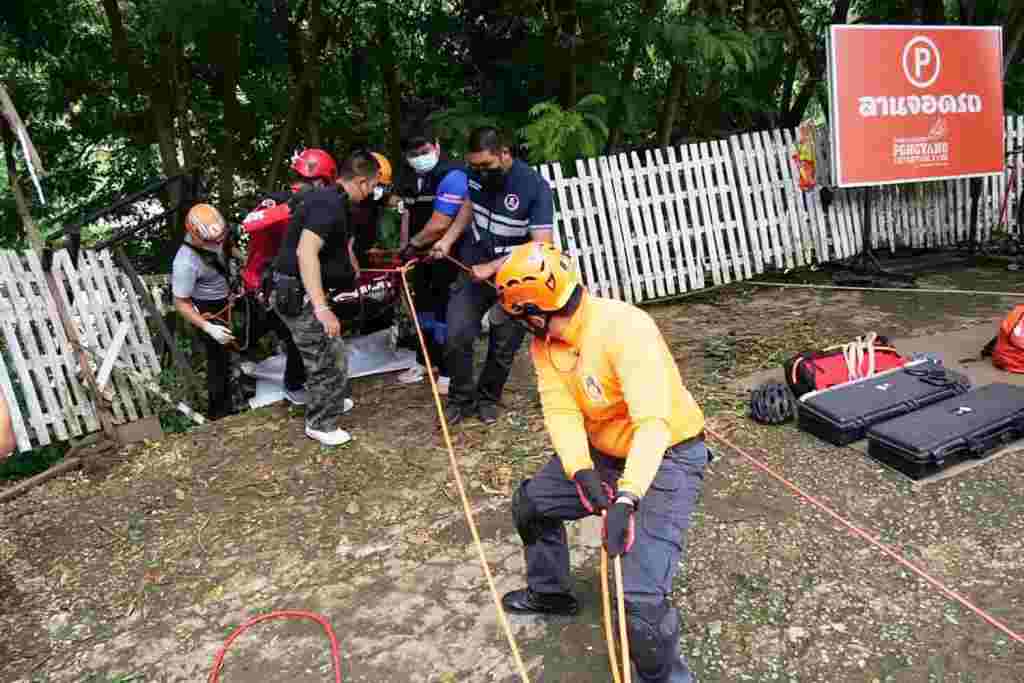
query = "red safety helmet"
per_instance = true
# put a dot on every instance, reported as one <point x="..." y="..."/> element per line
<point x="315" y="163"/>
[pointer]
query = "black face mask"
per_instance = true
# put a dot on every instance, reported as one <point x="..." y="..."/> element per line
<point x="493" y="179"/>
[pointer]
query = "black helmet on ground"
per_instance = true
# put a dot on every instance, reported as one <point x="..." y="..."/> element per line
<point x="771" y="403"/>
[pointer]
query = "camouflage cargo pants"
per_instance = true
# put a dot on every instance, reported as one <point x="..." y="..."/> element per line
<point x="326" y="363"/>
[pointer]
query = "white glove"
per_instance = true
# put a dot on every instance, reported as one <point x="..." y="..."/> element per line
<point x="221" y="334"/>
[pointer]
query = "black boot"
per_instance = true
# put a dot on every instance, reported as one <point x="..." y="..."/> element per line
<point x="454" y="413"/>
<point x="525" y="601"/>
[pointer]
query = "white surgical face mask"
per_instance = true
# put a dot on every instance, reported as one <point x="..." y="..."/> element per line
<point x="424" y="163"/>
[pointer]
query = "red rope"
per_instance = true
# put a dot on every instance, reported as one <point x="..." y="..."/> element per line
<point x="948" y="592"/>
<point x="283" y="614"/>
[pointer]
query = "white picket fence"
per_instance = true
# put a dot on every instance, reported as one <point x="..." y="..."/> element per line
<point x="668" y="221"/>
<point x="37" y="357"/>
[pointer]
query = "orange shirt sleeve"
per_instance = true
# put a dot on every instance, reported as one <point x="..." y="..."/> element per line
<point x="562" y="416"/>
<point x="644" y="365"/>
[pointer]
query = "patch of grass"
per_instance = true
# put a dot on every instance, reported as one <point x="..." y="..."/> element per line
<point x="22" y="465"/>
<point x="758" y="602"/>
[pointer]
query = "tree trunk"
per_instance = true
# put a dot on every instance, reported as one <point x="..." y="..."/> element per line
<point x="159" y="86"/>
<point x="676" y="87"/>
<point x="188" y="147"/>
<point x="967" y="12"/>
<point x="815" y="60"/>
<point x="749" y="11"/>
<point x="231" y="67"/>
<point x="392" y="86"/>
<point x="803" y="44"/>
<point x="12" y="169"/>
<point x="28" y="226"/>
<point x="1013" y="37"/>
<point x="313" y="87"/>
<point x="162" y="104"/>
<point x="787" y="88"/>
<point x="568" y="92"/>
<point x="298" y="97"/>
<point x="795" y="114"/>
<point x="284" y="138"/>
<point x="934" y="13"/>
<point x="637" y="45"/>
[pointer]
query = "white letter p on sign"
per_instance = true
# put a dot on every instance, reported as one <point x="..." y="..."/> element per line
<point x="922" y="58"/>
<point x="921" y="61"/>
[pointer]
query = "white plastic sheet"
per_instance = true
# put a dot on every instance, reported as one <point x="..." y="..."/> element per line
<point x="370" y="354"/>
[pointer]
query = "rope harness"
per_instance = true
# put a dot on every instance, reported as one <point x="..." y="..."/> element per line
<point x="855" y="352"/>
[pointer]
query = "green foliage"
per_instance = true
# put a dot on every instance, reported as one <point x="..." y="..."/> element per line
<point x="557" y="134"/>
<point x="22" y="465"/>
<point x="453" y="124"/>
<point x="505" y="63"/>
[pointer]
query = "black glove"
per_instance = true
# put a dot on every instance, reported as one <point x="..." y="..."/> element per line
<point x="593" y="492"/>
<point x="620" y="526"/>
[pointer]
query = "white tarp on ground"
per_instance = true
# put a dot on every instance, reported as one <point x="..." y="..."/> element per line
<point x="369" y="354"/>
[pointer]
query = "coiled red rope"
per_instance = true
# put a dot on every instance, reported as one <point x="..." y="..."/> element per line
<point x="283" y="614"/>
<point x="941" y="587"/>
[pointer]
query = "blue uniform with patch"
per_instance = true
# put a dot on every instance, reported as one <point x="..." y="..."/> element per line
<point x="501" y="220"/>
<point x="505" y="219"/>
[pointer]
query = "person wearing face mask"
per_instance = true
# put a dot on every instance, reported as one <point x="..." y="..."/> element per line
<point x="200" y="285"/>
<point x="510" y="204"/>
<point x="366" y="215"/>
<point x="315" y="257"/>
<point x="629" y="443"/>
<point x="435" y="193"/>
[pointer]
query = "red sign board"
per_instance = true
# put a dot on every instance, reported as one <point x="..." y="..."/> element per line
<point x="913" y="103"/>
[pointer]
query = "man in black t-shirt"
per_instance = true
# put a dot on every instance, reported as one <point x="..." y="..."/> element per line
<point x="314" y="257"/>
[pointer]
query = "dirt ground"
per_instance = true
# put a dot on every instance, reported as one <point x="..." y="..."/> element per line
<point x="139" y="573"/>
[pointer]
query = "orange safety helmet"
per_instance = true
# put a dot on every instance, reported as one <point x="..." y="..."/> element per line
<point x="385" y="168"/>
<point x="536" y="279"/>
<point x="205" y="223"/>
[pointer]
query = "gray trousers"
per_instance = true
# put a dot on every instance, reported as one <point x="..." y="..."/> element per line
<point x="662" y="520"/>
<point x="326" y="364"/>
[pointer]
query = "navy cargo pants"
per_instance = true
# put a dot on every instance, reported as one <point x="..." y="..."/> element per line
<point x="662" y="519"/>
<point x="468" y="304"/>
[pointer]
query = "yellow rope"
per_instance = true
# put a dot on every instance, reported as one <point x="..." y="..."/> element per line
<point x="458" y="481"/>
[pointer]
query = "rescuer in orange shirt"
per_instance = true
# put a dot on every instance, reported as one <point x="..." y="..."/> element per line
<point x="628" y="438"/>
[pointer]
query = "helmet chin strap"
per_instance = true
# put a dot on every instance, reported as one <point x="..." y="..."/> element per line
<point x="532" y="311"/>
<point x="539" y="332"/>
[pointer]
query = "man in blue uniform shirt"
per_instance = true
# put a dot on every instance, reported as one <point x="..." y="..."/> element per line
<point x="434" y="194"/>
<point x="510" y="204"/>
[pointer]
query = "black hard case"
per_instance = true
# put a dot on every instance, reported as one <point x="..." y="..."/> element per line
<point x="842" y="414"/>
<point x="959" y="428"/>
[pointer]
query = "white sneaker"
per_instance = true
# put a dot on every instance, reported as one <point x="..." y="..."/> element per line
<point x="335" y="437"/>
<point x="297" y="397"/>
<point x="347" y="405"/>
<point x="413" y="375"/>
